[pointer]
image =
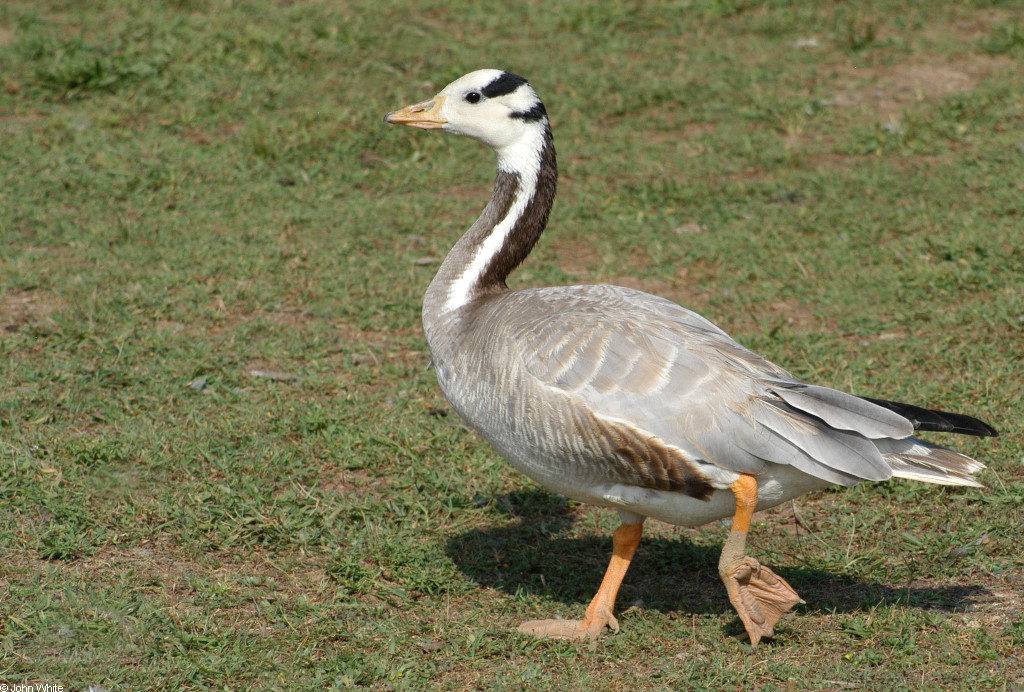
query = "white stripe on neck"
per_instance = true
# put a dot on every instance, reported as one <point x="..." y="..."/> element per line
<point x="522" y="159"/>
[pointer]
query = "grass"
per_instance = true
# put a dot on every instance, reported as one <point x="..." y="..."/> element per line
<point x="224" y="464"/>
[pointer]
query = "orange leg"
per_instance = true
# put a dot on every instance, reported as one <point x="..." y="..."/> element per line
<point x="599" y="612"/>
<point x="759" y="595"/>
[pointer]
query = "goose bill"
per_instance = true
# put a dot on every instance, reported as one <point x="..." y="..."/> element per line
<point x="425" y="115"/>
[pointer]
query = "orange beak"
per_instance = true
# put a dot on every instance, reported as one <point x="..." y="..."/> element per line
<point x="424" y="115"/>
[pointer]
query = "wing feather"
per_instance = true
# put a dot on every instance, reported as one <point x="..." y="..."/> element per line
<point x="676" y="380"/>
<point x="842" y="451"/>
<point x="844" y="411"/>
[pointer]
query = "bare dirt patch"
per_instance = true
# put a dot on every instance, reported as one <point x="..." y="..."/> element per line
<point x="375" y="349"/>
<point x="170" y="326"/>
<point x="790" y="314"/>
<point x="333" y="480"/>
<point x="21" y="308"/>
<point x="577" y="259"/>
<point x="469" y="192"/>
<point x="796" y="315"/>
<point x="349" y="334"/>
<point x="274" y="371"/>
<point x="284" y="318"/>
<point x="889" y="89"/>
<point x="684" y="134"/>
<point x="1000" y="608"/>
<point x="171" y="573"/>
<point x="230" y="317"/>
<point x="659" y="287"/>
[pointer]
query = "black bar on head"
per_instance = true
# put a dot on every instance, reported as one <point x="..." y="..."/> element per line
<point x="505" y="83"/>
<point x="538" y="112"/>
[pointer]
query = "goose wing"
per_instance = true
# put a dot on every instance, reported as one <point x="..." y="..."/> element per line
<point x="646" y="365"/>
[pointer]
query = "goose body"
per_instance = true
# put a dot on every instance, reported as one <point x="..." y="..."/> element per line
<point x="622" y="399"/>
<point x="607" y="419"/>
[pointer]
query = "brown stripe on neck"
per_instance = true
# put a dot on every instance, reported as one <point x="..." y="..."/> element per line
<point x="531" y="223"/>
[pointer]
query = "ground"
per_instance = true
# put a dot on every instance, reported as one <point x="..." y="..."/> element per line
<point x="225" y="463"/>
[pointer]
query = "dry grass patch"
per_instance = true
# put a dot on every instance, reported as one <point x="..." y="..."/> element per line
<point x="28" y="308"/>
<point x="887" y="90"/>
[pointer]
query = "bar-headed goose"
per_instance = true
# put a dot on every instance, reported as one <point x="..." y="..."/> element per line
<point x="622" y="399"/>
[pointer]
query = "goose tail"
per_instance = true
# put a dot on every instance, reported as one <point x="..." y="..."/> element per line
<point x="923" y="461"/>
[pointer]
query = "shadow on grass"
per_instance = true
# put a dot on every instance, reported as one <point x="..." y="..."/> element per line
<point x="667" y="575"/>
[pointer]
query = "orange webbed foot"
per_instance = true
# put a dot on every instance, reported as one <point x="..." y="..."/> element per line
<point x="599" y="612"/>
<point x="590" y="628"/>
<point x="759" y="596"/>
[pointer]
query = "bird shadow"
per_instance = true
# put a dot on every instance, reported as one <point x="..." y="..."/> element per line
<point x="668" y="575"/>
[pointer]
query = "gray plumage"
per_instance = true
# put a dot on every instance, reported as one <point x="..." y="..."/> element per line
<point x="621" y="398"/>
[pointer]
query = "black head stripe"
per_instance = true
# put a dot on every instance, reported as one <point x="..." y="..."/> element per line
<point x="536" y="113"/>
<point x="505" y="83"/>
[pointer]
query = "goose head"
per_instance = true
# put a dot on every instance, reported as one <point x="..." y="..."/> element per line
<point x="497" y="108"/>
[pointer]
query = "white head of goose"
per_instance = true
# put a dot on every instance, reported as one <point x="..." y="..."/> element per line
<point x="622" y="399"/>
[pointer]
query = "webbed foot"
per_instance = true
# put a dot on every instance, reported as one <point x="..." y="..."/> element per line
<point x="759" y="596"/>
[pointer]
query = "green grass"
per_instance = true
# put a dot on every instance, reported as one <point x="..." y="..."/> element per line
<point x="224" y="464"/>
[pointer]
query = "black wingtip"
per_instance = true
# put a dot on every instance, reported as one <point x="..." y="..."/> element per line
<point x="929" y="420"/>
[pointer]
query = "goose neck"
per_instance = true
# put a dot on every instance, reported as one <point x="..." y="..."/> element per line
<point x="505" y="232"/>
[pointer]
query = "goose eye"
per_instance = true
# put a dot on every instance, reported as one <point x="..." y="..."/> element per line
<point x="473" y="97"/>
